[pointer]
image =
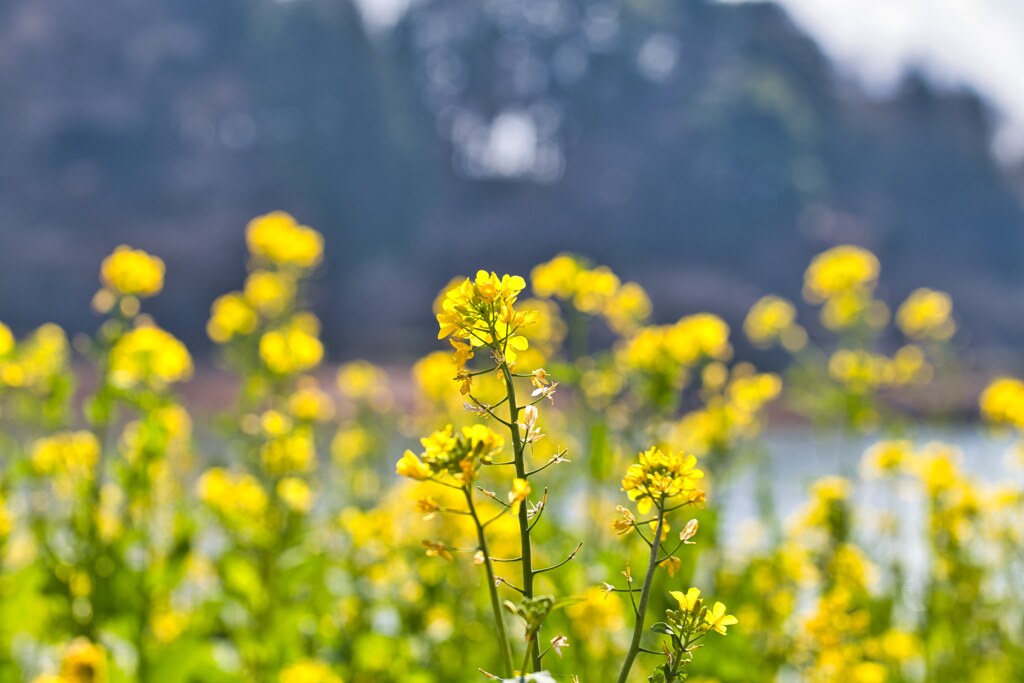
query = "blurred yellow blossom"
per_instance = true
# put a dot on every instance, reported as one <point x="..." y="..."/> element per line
<point x="308" y="671"/>
<point x="926" y="314"/>
<point x="83" y="662"/>
<point x="291" y="349"/>
<point x="6" y="340"/>
<point x="71" y="454"/>
<point x="232" y="494"/>
<point x="1002" y="402"/>
<point x="270" y="293"/>
<point x="278" y="239"/>
<point x="296" y="494"/>
<point x="772" y="319"/>
<point x="149" y="356"/>
<point x="132" y="272"/>
<point x="230" y="316"/>
<point x="839" y="270"/>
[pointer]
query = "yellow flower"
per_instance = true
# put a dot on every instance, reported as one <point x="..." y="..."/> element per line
<point x="717" y="620"/>
<point x="308" y="671"/>
<point x="699" y="336"/>
<point x="291" y="349"/>
<point x="556" y="278"/>
<point x="412" y="467"/>
<point x="937" y="467"/>
<point x="6" y="340"/>
<point x="132" y="272"/>
<point x="859" y="370"/>
<point x="230" y="316"/>
<point x="481" y="312"/>
<point x="278" y="239"/>
<point x="627" y="309"/>
<point x="433" y="376"/>
<point x="290" y="453"/>
<point x="1002" y="402"/>
<point x="457" y="454"/>
<point x="363" y="381"/>
<point x="671" y="564"/>
<point x="658" y="476"/>
<point x="689" y="601"/>
<point x="71" y="454"/>
<point x="38" y="360"/>
<point x="595" y="289"/>
<point x="269" y="293"/>
<point x="83" y="662"/>
<point x="838" y="271"/>
<point x="520" y="490"/>
<point x="6" y="521"/>
<point x="886" y="457"/>
<point x="296" y="494"/>
<point x="149" y="356"/>
<point x="232" y="494"/>
<point x="926" y="314"/>
<point x="309" y="403"/>
<point x="350" y="443"/>
<point x="772" y="319"/>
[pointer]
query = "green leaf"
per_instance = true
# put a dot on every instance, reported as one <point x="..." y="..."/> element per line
<point x="662" y="627"/>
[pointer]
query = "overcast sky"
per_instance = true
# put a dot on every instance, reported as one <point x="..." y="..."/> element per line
<point x="973" y="44"/>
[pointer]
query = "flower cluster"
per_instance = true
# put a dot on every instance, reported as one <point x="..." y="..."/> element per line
<point x="456" y="454"/>
<point x="773" y="319"/>
<point x="133" y="272"/>
<point x="277" y="239"/>
<point x="593" y="290"/>
<point x="148" y="356"/>
<point x="1002" y="402"/>
<point x="926" y="314"/>
<point x="843" y="279"/>
<point x="480" y="313"/>
<point x="659" y="476"/>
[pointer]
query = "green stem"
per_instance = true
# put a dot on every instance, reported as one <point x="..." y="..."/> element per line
<point x="645" y="593"/>
<point x="492" y="586"/>
<point x="530" y="650"/>
<point x="524" y="521"/>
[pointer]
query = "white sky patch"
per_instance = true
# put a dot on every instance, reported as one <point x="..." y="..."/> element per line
<point x="380" y="16"/>
<point x="957" y="44"/>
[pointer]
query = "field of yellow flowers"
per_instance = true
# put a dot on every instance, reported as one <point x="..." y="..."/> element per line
<point x="545" y="505"/>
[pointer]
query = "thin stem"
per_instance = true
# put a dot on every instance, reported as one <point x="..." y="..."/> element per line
<point x="524" y="521"/>
<point x="492" y="587"/>
<point x="540" y="510"/>
<point x="645" y="593"/>
<point x="563" y="562"/>
<point x="530" y="650"/>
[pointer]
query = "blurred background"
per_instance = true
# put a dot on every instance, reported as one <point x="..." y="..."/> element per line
<point x="705" y="149"/>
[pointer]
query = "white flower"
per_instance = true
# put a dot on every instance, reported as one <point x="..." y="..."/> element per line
<point x="531" y="432"/>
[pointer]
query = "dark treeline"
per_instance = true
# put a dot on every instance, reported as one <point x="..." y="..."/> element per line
<point x="704" y="150"/>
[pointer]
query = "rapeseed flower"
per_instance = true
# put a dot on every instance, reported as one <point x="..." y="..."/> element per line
<point x="308" y="671"/>
<point x="926" y="314"/>
<point x="658" y="476"/>
<point x="481" y="312"/>
<point x="457" y="454"/>
<point x="149" y="356"/>
<point x="83" y="662"/>
<point x="230" y="316"/>
<point x="278" y="239"/>
<point x="839" y="271"/>
<point x="292" y="348"/>
<point x="132" y="272"/>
